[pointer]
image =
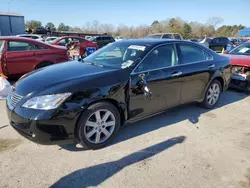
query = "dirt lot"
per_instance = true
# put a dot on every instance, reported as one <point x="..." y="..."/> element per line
<point x="185" y="147"/>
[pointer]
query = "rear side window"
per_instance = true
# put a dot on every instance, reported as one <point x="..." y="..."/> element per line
<point x="191" y="54"/>
<point x="17" y="46"/>
<point x="177" y="36"/>
<point x="168" y="36"/>
<point x="34" y="37"/>
<point x="38" y="47"/>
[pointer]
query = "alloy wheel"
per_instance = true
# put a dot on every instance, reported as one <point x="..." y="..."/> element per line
<point x="99" y="126"/>
<point x="213" y="94"/>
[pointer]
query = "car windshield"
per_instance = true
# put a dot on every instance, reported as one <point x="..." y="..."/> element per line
<point x="117" y="55"/>
<point x="243" y="49"/>
<point x="154" y="36"/>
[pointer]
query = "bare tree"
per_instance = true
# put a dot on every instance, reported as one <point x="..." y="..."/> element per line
<point x="214" y="21"/>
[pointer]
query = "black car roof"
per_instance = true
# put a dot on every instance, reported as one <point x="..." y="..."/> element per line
<point x="150" y="42"/>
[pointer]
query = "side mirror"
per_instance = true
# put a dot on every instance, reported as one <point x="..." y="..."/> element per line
<point x="144" y="85"/>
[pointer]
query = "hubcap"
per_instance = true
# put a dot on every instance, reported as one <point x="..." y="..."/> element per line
<point x="213" y="94"/>
<point x="99" y="126"/>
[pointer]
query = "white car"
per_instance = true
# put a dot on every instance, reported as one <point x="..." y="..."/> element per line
<point x="32" y="36"/>
<point x="118" y="38"/>
<point x="88" y="37"/>
<point x="50" y="39"/>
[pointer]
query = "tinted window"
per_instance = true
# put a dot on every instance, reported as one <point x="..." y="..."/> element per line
<point x="37" y="47"/>
<point x="99" y="39"/>
<point x="81" y="40"/>
<point x="168" y="36"/>
<point x="34" y="37"/>
<point x="190" y="54"/>
<point x="177" y="36"/>
<point x="14" y="46"/>
<point x="111" y="39"/>
<point x="161" y="57"/>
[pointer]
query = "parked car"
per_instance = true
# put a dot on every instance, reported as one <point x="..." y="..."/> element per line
<point x="50" y="39"/>
<point x="240" y="60"/>
<point x="102" y="40"/>
<point x="20" y="55"/>
<point x="219" y="44"/>
<point x="88" y="37"/>
<point x="41" y="31"/>
<point x="206" y="41"/>
<point x="32" y="36"/>
<point x="123" y="82"/>
<point x="118" y="38"/>
<point x="165" y="36"/>
<point x="84" y="44"/>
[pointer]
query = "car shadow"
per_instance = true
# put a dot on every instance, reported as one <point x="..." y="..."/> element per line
<point x="4" y="126"/>
<point x="95" y="175"/>
<point x="189" y="112"/>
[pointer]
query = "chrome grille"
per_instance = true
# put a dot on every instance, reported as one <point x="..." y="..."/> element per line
<point x="15" y="98"/>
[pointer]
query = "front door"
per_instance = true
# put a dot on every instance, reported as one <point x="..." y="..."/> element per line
<point x="19" y="56"/>
<point x="197" y="67"/>
<point x="155" y="83"/>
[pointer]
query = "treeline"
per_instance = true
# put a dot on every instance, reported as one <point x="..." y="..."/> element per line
<point x="176" y="25"/>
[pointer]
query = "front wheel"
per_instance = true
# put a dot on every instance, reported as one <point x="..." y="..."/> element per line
<point x="98" y="125"/>
<point x="212" y="94"/>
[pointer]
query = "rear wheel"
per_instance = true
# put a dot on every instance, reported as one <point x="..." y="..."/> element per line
<point x="98" y="125"/>
<point x="212" y="95"/>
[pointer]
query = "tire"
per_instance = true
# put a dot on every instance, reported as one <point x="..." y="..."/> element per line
<point x="247" y="89"/>
<point x="43" y="64"/>
<point x="88" y="133"/>
<point x="211" y="99"/>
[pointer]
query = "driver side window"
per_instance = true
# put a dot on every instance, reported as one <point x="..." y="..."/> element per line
<point x="161" y="57"/>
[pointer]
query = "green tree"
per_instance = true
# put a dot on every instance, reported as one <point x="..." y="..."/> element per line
<point x="33" y="24"/>
<point x="175" y="25"/>
<point x="63" y="27"/>
<point x="51" y="26"/>
<point x="156" y="22"/>
<point x="186" y="31"/>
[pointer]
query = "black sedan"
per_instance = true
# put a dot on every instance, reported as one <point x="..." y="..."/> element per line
<point x="87" y="101"/>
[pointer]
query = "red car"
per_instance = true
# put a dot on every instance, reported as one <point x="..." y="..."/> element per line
<point x="62" y="41"/>
<point x="240" y="61"/>
<point x="19" y="55"/>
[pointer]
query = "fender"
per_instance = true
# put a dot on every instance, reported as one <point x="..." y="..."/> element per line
<point x="116" y="94"/>
<point x="216" y="75"/>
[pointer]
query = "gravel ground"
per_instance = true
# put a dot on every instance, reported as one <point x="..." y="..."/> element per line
<point x="185" y="147"/>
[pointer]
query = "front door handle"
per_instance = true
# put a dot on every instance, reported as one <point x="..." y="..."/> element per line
<point x="176" y="74"/>
<point x="211" y="66"/>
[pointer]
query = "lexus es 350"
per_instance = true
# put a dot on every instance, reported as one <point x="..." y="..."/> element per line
<point x="88" y="101"/>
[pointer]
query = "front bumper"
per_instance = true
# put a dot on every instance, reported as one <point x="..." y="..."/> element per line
<point x="50" y="129"/>
<point x="240" y="81"/>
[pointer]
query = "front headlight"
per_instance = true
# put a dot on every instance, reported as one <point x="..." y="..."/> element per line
<point x="46" y="102"/>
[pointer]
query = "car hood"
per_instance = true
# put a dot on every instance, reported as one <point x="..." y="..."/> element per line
<point x="65" y="75"/>
<point x="241" y="60"/>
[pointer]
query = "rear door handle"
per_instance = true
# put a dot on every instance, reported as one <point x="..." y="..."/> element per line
<point x="211" y="66"/>
<point x="176" y="74"/>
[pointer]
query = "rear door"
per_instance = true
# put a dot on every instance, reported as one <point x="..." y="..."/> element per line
<point x="20" y="57"/>
<point x="197" y="67"/>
